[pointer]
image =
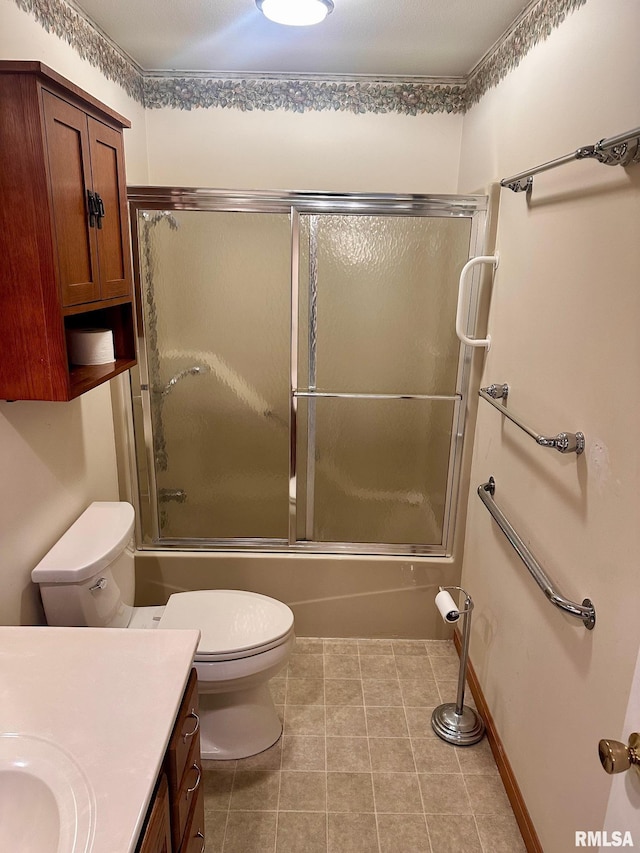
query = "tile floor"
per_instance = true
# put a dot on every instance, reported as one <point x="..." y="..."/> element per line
<point x="358" y="768"/>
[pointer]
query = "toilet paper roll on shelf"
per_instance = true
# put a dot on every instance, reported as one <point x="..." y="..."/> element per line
<point x="90" y="346"/>
<point x="447" y="606"/>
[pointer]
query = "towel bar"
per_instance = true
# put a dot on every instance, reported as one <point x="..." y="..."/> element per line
<point x="564" y="442"/>
<point x="585" y="611"/>
<point x="620" y="150"/>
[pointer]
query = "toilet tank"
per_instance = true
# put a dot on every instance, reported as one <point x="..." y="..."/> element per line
<point x="87" y="578"/>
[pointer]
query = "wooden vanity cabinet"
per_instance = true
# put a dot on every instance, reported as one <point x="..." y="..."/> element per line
<point x="182" y="769"/>
<point x="64" y="247"/>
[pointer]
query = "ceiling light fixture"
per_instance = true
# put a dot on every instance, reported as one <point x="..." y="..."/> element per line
<point x="295" y="13"/>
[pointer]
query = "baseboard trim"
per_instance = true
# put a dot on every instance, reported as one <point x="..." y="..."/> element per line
<point x="520" y="811"/>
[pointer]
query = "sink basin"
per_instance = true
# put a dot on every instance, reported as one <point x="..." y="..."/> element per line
<point x="46" y="803"/>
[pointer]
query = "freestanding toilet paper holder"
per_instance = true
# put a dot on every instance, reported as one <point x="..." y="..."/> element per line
<point x="456" y="722"/>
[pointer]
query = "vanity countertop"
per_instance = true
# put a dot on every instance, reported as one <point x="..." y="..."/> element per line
<point x="109" y="698"/>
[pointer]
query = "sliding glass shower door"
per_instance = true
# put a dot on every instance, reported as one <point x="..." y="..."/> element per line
<point x="378" y="371"/>
<point x="301" y="384"/>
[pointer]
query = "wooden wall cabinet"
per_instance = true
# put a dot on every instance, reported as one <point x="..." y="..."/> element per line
<point x="182" y="801"/>
<point x="64" y="239"/>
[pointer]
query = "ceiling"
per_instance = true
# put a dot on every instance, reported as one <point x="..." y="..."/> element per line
<point x="382" y="38"/>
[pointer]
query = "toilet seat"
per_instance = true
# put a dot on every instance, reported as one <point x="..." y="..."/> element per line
<point x="233" y="624"/>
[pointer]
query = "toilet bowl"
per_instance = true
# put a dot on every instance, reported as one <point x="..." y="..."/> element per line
<point x="245" y="640"/>
<point x="87" y="579"/>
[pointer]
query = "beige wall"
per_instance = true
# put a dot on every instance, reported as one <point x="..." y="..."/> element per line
<point x="564" y="325"/>
<point x="331" y="151"/>
<point x="55" y="458"/>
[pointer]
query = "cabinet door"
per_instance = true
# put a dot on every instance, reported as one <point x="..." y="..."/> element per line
<point x="107" y="159"/>
<point x="70" y="177"/>
<point x="157" y="835"/>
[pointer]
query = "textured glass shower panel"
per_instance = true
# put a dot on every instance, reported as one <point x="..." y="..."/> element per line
<point x="381" y="470"/>
<point x="216" y="303"/>
<point x="386" y="290"/>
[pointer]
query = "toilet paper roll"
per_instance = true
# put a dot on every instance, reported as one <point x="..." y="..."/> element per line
<point x="90" y="346"/>
<point x="447" y="606"/>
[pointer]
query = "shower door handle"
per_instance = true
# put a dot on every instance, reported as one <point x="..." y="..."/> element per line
<point x="480" y="259"/>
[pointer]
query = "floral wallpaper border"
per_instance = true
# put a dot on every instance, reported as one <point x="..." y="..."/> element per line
<point x="303" y="95"/>
<point x="255" y="93"/>
<point x="535" y="26"/>
<point x="61" y="19"/>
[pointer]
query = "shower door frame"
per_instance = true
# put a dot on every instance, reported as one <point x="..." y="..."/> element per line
<point x="295" y="204"/>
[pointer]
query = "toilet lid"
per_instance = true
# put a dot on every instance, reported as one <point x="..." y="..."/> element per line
<point x="231" y="621"/>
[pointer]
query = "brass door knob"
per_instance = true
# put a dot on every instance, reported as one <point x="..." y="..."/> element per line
<point x="615" y="757"/>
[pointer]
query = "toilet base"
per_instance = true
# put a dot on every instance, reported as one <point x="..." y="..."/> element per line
<point x="237" y="724"/>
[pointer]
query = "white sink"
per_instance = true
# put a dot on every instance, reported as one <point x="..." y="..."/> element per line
<point x="46" y="804"/>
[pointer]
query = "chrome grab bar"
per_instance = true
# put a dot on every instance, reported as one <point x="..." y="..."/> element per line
<point x="620" y="150"/>
<point x="564" y="442"/>
<point x="585" y="611"/>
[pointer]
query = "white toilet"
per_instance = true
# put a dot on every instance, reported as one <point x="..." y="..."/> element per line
<point x="87" y="579"/>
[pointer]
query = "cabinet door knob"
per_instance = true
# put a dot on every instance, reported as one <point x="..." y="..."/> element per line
<point x="615" y="757"/>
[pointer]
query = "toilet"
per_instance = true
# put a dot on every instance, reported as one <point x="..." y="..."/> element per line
<point x="87" y="579"/>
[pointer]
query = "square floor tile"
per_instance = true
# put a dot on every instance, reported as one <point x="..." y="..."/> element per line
<point x="412" y="666"/>
<point x="269" y="759"/>
<point x="306" y="666"/>
<point x="378" y="666"/>
<point x="303" y="791"/>
<point x="392" y="754"/>
<point x="500" y="834"/>
<point x="444" y="794"/>
<point x="397" y="793"/>
<point x="305" y="691"/>
<point x="409" y="647"/>
<point x="341" y="666"/>
<point x="254" y="831"/>
<point x="278" y="687"/>
<point x="422" y="692"/>
<point x="375" y="647"/>
<point x="382" y="693"/>
<point x="419" y="721"/>
<point x="255" y="790"/>
<point x="343" y="691"/>
<point x="441" y="648"/>
<point x="346" y="721"/>
<point x="215" y="824"/>
<point x="403" y="832"/>
<point x="308" y="646"/>
<point x="301" y="831"/>
<point x="348" y="754"/>
<point x="433" y="755"/>
<point x="217" y="789"/>
<point x="477" y="758"/>
<point x="350" y="792"/>
<point x="304" y="720"/>
<point x="303" y="752"/>
<point x="487" y="794"/>
<point x="353" y="833"/>
<point x="341" y="647"/>
<point x="445" y="668"/>
<point x="453" y="834"/>
<point x="386" y="722"/>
